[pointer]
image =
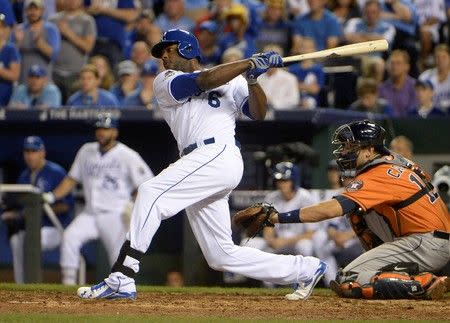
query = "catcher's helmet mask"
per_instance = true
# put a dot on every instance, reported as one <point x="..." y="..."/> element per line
<point x="188" y="46"/>
<point x="353" y="137"/>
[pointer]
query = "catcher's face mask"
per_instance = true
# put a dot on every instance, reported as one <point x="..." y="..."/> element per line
<point x="347" y="152"/>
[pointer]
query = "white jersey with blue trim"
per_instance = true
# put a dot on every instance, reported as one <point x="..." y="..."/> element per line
<point x="109" y="178"/>
<point x="301" y="199"/>
<point x="209" y="114"/>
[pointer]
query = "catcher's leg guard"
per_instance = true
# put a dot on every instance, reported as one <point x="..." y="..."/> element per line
<point x="346" y="286"/>
<point x="125" y="251"/>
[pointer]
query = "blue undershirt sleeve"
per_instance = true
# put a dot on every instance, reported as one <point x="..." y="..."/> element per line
<point x="184" y="86"/>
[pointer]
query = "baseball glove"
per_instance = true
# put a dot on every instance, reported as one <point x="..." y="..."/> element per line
<point x="254" y="218"/>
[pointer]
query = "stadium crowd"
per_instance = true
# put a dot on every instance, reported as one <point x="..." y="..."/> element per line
<point x="97" y="53"/>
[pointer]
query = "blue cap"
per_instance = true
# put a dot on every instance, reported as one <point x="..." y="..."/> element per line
<point x="209" y="25"/>
<point x="37" y="70"/>
<point x="33" y="143"/>
<point x="107" y="121"/>
<point x="150" y="68"/>
<point x="425" y="83"/>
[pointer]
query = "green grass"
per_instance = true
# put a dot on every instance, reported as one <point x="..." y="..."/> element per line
<point x="165" y="289"/>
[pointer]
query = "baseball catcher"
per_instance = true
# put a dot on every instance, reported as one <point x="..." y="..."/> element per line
<point x="394" y="209"/>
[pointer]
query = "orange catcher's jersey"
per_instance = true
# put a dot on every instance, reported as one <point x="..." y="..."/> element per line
<point x="383" y="186"/>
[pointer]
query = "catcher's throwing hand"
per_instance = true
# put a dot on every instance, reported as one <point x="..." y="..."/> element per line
<point x="254" y="218"/>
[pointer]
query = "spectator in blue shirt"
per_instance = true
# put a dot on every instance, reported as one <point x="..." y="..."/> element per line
<point x="111" y="17"/>
<point x="174" y="17"/>
<point x="7" y="10"/>
<point x="207" y="38"/>
<point x="38" y="92"/>
<point x="310" y="76"/>
<point x="128" y="80"/>
<point x="38" y="40"/>
<point x="45" y="175"/>
<point x="238" y="21"/>
<point x="144" y="97"/>
<point x="370" y="26"/>
<point x="425" y="108"/>
<point x="319" y="24"/>
<point x="9" y="63"/>
<point x="90" y="95"/>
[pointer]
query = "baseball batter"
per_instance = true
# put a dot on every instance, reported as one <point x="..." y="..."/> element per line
<point x="201" y="108"/>
<point x="110" y="173"/>
<point x="395" y="211"/>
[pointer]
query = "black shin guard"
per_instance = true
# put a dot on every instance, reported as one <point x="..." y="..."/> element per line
<point x="126" y="250"/>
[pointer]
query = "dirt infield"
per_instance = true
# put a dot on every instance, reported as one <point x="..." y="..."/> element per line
<point x="322" y="305"/>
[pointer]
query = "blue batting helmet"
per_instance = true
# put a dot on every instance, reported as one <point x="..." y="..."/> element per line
<point x="106" y="121"/>
<point x="188" y="46"/>
<point x="286" y="171"/>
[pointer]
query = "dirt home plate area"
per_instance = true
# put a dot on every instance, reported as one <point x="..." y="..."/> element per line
<point x="190" y="303"/>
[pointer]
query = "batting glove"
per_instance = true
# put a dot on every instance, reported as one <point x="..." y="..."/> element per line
<point x="48" y="197"/>
<point x="266" y="60"/>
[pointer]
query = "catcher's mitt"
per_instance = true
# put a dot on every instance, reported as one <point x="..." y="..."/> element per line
<point x="254" y="218"/>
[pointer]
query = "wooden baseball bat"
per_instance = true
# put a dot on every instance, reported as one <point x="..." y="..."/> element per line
<point x="341" y="51"/>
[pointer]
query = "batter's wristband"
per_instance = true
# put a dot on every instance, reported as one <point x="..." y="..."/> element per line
<point x="290" y="217"/>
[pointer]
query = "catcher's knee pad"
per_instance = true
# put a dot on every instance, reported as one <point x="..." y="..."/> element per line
<point x="125" y="251"/>
<point x="346" y="286"/>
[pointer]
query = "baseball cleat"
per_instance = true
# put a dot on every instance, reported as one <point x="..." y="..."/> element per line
<point x="102" y="290"/>
<point x="438" y="288"/>
<point x="303" y="290"/>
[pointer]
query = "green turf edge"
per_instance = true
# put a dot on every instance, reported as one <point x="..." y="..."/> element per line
<point x="165" y="289"/>
<point x="76" y="318"/>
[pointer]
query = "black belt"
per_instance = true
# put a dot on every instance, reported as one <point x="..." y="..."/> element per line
<point x="441" y="235"/>
<point x="192" y="147"/>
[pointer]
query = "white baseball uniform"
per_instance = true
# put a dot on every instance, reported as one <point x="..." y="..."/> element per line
<point x="108" y="181"/>
<point x="304" y="247"/>
<point x="201" y="182"/>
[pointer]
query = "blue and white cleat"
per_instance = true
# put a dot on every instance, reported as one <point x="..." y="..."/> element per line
<point x="102" y="290"/>
<point x="303" y="290"/>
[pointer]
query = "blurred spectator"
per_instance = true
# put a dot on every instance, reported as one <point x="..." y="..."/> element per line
<point x="140" y="53"/>
<point x="128" y="80"/>
<point x="399" y="89"/>
<point x="9" y="63"/>
<point x="143" y="96"/>
<point x="111" y="17"/>
<point x="216" y="14"/>
<point x="104" y="71"/>
<point x="237" y="20"/>
<point x="403" y="16"/>
<point x="319" y="24"/>
<point x="310" y="76"/>
<point x="285" y="97"/>
<point x="78" y="32"/>
<point x="145" y="30"/>
<point x="45" y="175"/>
<point x="344" y="10"/>
<point x="425" y="108"/>
<point x="207" y="38"/>
<point x="274" y="28"/>
<point x="297" y="8"/>
<point x="90" y="95"/>
<point x="334" y="177"/>
<point x="440" y="77"/>
<point x="232" y="54"/>
<point x="373" y="67"/>
<point x="174" y="17"/>
<point x="38" y="92"/>
<point x="196" y="8"/>
<point x="38" y="40"/>
<point x="431" y="15"/>
<point x="174" y="279"/>
<point x="370" y="26"/>
<point x="403" y="146"/>
<point x="368" y="100"/>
